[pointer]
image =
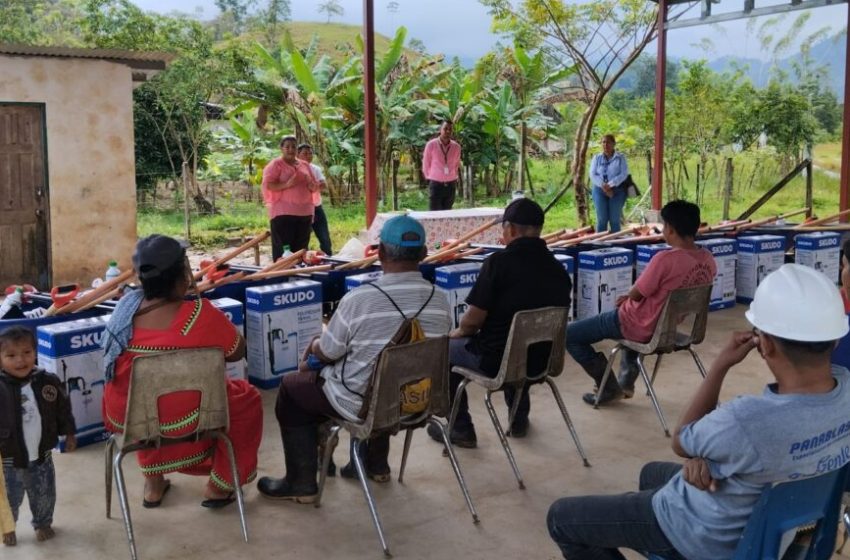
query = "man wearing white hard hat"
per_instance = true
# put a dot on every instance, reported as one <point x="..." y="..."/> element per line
<point x="798" y="427"/>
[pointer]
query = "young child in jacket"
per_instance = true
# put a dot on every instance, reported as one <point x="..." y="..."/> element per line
<point x="34" y="412"/>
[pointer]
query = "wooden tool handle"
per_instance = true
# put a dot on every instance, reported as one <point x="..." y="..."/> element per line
<point x="290" y="272"/>
<point x="207" y="286"/>
<point x="361" y="263"/>
<point x="94" y="294"/>
<point x="235" y="252"/>
<point x="826" y="220"/>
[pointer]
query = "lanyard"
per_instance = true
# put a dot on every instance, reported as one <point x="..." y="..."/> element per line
<point x="446" y="152"/>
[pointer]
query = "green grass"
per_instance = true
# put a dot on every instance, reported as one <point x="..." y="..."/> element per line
<point x="548" y="176"/>
<point x="828" y="156"/>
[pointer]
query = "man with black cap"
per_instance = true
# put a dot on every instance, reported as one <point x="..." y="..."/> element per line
<point x="524" y="276"/>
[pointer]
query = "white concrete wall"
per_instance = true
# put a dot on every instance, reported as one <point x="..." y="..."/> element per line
<point x="90" y="158"/>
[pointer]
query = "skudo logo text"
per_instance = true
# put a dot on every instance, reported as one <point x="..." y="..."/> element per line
<point x="468" y="278"/>
<point x="614" y="261"/>
<point x="722" y="249"/>
<point x="85" y="340"/>
<point x="297" y="297"/>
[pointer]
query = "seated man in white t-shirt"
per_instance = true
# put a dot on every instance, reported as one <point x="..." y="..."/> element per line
<point x="799" y="427"/>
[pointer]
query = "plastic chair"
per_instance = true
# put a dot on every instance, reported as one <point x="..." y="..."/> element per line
<point x="788" y="506"/>
<point x="681" y="304"/>
<point x="547" y="324"/>
<point x="198" y="369"/>
<point x="396" y="366"/>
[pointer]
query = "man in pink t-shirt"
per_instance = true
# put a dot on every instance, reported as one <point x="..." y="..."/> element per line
<point x="686" y="264"/>
<point x="288" y="187"/>
<point x="440" y="165"/>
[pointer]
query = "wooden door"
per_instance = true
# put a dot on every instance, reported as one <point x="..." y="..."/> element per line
<point x="24" y="220"/>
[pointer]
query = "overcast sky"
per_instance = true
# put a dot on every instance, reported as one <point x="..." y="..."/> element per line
<point x="462" y="27"/>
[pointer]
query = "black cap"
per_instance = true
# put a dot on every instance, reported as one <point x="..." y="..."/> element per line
<point x="524" y="212"/>
<point x="156" y="253"/>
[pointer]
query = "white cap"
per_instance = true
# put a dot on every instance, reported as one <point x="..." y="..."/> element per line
<point x="798" y="303"/>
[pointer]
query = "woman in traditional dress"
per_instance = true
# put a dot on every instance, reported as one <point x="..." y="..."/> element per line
<point x="158" y="318"/>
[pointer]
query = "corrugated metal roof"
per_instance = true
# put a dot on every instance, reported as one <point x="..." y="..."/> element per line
<point x="134" y="59"/>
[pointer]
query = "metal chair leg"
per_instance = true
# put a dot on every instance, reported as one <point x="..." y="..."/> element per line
<point x="237" y="482"/>
<point x="608" y="368"/>
<point x="456" y="403"/>
<point x="333" y="438"/>
<point x="370" y="501"/>
<point x="695" y="356"/>
<point x="125" y="505"/>
<point x="573" y="432"/>
<point x="652" y="395"/>
<point x="408" y="437"/>
<point x="655" y="370"/>
<point x="455" y="466"/>
<point x="492" y="412"/>
<point x="109" y="454"/>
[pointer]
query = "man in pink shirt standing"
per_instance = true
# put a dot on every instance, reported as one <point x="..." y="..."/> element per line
<point x="288" y="187"/>
<point x="686" y="264"/>
<point x="440" y="165"/>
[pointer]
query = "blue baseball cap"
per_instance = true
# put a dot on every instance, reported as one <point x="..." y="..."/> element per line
<point x="403" y="231"/>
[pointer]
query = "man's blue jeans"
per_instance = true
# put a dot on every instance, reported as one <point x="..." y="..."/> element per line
<point x="594" y="527"/>
<point x="582" y="334"/>
<point x="608" y="210"/>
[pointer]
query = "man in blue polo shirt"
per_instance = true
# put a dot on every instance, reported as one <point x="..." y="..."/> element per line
<point x="799" y="427"/>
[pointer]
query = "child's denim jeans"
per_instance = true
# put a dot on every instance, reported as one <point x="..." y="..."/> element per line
<point x="38" y="481"/>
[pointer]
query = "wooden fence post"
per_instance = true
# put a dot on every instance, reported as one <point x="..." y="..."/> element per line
<point x="395" y="183"/>
<point x="809" y="179"/>
<point x="727" y="190"/>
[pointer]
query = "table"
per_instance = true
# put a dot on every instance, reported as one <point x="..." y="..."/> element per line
<point x="441" y="225"/>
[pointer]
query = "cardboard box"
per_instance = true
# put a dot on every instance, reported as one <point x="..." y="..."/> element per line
<point x="603" y="276"/>
<point x="356" y="280"/>
<point x="758" y="256"/>
<point x="725" y="253"/>
<point x="234" y="312"/>
<point x="820" y="250"/>
<point x="281" y="320"/>
<point x="456" y="281"/>
<point x="71" y="351"/>
<point x="644" y="254"/>
<point x="570" y="266"/>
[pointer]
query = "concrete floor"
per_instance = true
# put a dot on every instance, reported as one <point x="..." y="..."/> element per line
<point x="426" y="516"/>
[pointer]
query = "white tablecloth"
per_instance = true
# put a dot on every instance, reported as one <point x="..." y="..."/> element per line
<point x="441" y="225"/>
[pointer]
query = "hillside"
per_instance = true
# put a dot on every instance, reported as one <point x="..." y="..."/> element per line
<point x="335" y="38"/>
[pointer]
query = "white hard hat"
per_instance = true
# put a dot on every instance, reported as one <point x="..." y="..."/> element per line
<point x="798" y="303"/>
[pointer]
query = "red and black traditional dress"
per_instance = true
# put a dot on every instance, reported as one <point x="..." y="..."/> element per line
<point x="198" y="324"/>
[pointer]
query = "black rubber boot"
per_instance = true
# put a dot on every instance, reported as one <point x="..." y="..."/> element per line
<point x="301" y="453"/>
<point x="595" y="368"/>
<point x="376" y="452"/>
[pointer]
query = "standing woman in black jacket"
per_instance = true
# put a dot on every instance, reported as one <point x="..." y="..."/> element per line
<point x="40" y="413"/>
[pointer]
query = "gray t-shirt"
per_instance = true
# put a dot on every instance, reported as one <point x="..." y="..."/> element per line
<point x="364" y="323"/>
<point x="751" y="442"/>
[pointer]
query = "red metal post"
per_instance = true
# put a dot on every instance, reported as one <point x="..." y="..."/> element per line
<point x="660" y="87"/>
<point x="844" y="178"/>
<point x="371" y="163"/>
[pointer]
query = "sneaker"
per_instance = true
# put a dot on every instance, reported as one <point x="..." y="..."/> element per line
<point x="519" y="429"/>
<point x="460" y="437"/>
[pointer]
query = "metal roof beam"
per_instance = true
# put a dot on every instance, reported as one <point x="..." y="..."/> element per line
<point x="793" y="6"/>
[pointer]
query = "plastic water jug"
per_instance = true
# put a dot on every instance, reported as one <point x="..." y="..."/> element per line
<point x="13" y="301"/>
<point x="287" y="252"/>
<point x="112" y="272"/>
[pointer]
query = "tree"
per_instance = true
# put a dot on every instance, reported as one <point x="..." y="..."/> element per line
<point x="41" y="22"/>
<point x="238" y="10"/>
<point x="392" y="7"/>
<point x="601" y="39"/>
<point x="276" y="12"/>
<point x="331" y="8"/>
<point x="417" y="46"/>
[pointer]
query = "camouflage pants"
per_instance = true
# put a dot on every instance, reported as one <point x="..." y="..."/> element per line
<point x="38" y="482"/>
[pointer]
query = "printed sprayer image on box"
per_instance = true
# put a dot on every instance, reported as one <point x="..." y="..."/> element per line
<point x="603" y="276"/>
<point x="71" y="351"/>
<point x="281" y="320"/>
<point x="456" y="281"/>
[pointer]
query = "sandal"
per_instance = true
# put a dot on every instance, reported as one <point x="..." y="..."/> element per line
<point x="218" y="503"/>
<point x="150" y="504"/>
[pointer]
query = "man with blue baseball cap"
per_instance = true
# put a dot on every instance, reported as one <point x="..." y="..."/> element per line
<point x="338" y="365"/>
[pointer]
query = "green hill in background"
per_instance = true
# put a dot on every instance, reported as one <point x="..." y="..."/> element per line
<point x="335" y="39"/>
